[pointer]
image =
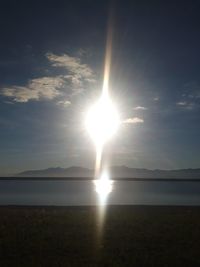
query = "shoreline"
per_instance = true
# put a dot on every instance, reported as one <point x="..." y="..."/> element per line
<point x="76" y="236"/>
<point x="76" y="179"/>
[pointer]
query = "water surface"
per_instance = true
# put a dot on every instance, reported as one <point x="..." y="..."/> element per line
<point x="52" y="192"/>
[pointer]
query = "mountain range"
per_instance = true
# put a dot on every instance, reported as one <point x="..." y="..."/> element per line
<point x="115" y="172"/>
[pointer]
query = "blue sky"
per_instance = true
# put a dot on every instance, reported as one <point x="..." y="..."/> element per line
<point x="51" y="70"/>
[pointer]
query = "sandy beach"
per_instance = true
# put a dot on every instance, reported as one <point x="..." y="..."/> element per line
<point x="69" y="236"/>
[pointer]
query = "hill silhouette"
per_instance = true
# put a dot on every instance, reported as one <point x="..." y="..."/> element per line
<point x="115" y="172"/>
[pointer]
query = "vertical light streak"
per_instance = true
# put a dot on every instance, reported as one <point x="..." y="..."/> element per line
<point x="102" y="178"/>
<point x="98" y="161"/>
<point x="105" y="89"/>
<point x="108" y="57"/>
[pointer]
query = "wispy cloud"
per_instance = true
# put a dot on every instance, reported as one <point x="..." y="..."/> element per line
<point x="72" y="64"/>
<point x="181" y="103"/>
<point x="192" y="90"/>
<point x="140" y="108"/>
<point x="189" y="99"/>
<point x="186" y="105"/>
<point x="133" y="120"/>
<point x="78" y="73"/>
<point x="76" y="79"/>
<point x="64" y="103"/>
<point x="35" y="89"/>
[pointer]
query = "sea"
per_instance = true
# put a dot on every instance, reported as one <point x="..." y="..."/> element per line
<point x="53" y="192"/>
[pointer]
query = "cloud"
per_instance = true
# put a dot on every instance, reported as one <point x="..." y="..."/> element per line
<point x="72" y="64"/>
<point x="140" y="108"/>
<point x="78" y="73"/>
<point x="190" y="97"/>
<point x="156" y="99"/>
<point x="186" y="105"/>
<point x="192" y="90"/>
<point x="181" y="103"/>
<point x="133" y="120"/>
<point x="64" y="103"/>
<point x="35" y="89"/>
<point x="77" y="78"/>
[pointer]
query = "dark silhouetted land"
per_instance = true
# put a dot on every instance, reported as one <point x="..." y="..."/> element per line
<point x="116" y="172"/>
<point x="68" y="236"/>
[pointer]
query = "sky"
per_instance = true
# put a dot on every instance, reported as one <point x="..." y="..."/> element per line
<point x="51" y="70"/>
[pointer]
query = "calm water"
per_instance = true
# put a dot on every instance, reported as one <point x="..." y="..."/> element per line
<point x="22" y="192"/>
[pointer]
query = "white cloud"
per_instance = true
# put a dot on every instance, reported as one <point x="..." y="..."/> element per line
<point x="189" y="99"/>
<point x="78" y="73"/>
<point x="140" y="108"/>
<point x="186" y="105"/>
<point x="192" y="90"/>
<point x="78" y="76"/>
<point x="181" y="103"/>
<point x="156" y="99"/>
<point x="36" y="89"/>
<point x="72" y="64"/>
<point x="133" y="120"/>
<point x="64" y="103"/>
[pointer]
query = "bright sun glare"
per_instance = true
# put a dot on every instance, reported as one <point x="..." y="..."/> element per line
<point x="102" y="120"/>
<point x="103" y="187"/>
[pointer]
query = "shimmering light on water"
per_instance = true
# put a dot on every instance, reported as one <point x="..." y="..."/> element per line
<point x="103" y="186"/>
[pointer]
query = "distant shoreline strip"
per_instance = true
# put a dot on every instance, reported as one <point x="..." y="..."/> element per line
<point x="90" y="179"/>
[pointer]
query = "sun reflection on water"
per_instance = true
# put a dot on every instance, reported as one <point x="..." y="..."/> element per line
<point x="103" y="186"/>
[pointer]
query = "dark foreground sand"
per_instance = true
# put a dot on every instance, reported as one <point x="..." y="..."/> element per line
<point x="70" y="236"/>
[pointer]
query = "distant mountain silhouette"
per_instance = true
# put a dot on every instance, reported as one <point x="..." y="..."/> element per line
<point x="115" y="172"/>
<point x="123" y="171"/>
<point x="58" y="172"/>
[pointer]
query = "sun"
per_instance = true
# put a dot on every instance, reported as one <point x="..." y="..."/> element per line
<point x="102" y="120"/>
